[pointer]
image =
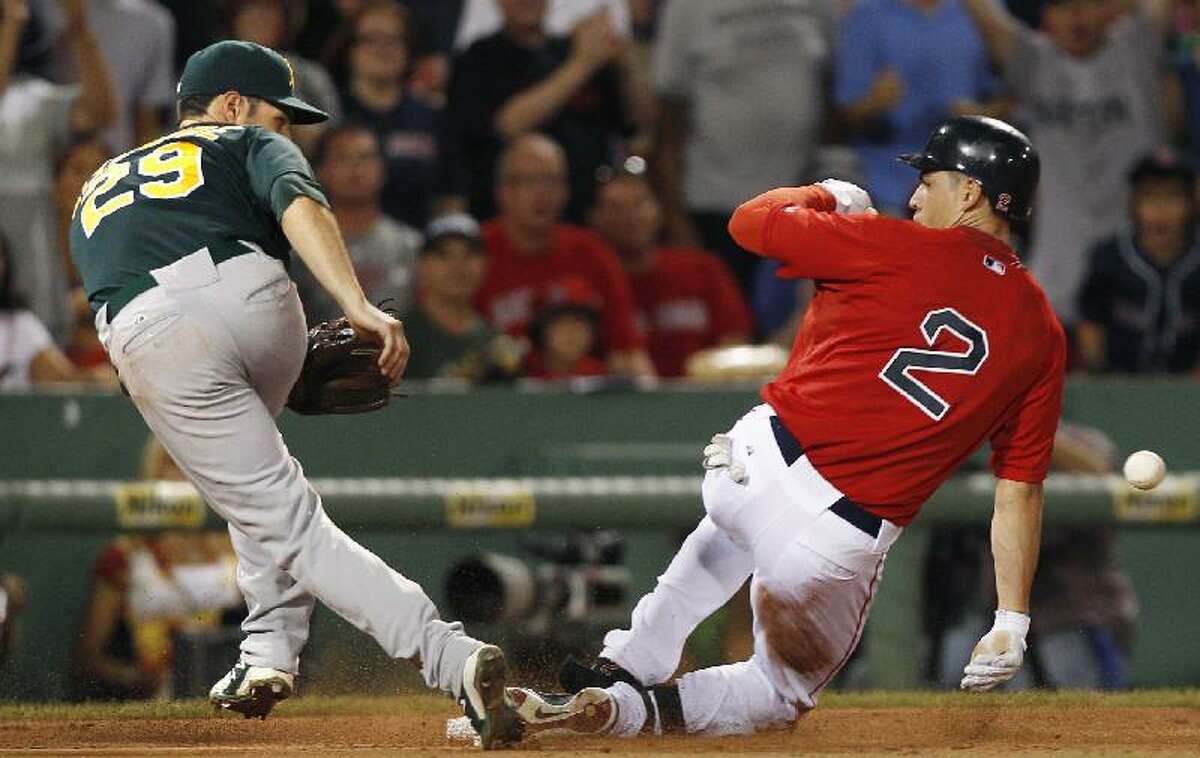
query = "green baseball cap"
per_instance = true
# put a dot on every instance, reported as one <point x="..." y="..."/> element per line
<point x="252" y="70"/>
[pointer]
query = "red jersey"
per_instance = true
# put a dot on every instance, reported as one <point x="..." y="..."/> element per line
<point x="919" y="345"/>
<point x="516" y="281"/>
<point x="687" y="301"/>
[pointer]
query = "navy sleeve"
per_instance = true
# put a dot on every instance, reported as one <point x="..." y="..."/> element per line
<point x="1095" y="296"/>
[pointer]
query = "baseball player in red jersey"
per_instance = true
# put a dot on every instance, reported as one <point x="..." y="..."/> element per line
<point x="925" y="339"/>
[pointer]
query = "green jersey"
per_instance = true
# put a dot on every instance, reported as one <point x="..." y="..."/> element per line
<point x="211" y="186"/>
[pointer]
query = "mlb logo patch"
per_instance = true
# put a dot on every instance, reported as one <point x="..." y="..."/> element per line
<point x="995" y="266"/>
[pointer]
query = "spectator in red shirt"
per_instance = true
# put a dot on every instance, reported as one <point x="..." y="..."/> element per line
<point x="530" y="250"/>
<point x="686" y="299"/>
<point x="564" y="333"/>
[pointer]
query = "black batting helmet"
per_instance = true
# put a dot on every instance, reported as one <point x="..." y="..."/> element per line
<point x="990" y="151"/>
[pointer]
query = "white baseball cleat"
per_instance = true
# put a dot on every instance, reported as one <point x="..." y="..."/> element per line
<point x="484" y="701"/>
<point x="252" y="690"/>
<point x="590" y="712"/>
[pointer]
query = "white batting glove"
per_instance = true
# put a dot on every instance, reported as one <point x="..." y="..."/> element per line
<point x="850" y="197"/>
<point x="718" y="455"/>
<point x="999" y="654"/>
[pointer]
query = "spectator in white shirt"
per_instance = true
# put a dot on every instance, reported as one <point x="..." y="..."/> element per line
<point x="28" y="356"/>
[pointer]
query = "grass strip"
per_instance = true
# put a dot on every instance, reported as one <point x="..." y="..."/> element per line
<point x="348" y="705"/>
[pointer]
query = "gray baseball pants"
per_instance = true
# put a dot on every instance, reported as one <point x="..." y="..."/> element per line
<point x="209" y="357"/>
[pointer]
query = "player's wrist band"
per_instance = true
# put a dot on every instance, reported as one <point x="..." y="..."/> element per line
<point x="1012" y="621"/>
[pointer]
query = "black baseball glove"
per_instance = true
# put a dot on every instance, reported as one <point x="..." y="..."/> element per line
<point x="341" y="373"/>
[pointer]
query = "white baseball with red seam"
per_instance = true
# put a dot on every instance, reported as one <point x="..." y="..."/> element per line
<point x="1145" y="469"/>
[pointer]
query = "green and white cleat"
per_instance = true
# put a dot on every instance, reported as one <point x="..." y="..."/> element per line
<point x="251" y="690"/>
<point x="589" y="713"/>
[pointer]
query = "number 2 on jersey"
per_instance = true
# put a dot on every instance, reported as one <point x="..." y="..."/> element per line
<point x="180" y="162"/>
<point x="898" y="371"/>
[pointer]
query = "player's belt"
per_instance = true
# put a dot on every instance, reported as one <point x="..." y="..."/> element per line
<point x="128" y="293"/>
<point x="125" y="295"/>
<point x="850" y="511"/>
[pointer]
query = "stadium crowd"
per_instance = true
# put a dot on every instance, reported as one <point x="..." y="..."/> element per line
<point x="542" y="188"/>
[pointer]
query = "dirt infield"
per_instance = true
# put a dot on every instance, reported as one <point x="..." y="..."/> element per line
<point x="1001" y="726"/>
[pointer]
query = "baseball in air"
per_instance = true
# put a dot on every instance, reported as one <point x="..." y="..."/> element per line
<point x="1145" y="469"/>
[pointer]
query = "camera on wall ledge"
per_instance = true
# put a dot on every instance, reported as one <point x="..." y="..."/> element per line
<point x="578" y="576"/>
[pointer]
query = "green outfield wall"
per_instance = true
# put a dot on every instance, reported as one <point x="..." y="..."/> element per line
<point x="438" y="476"/>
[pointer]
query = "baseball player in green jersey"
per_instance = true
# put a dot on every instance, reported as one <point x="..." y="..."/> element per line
<point x="183" y="246"/>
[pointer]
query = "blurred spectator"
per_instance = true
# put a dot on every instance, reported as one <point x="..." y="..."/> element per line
<point x="272" y="23"/>
<point x="75" y="165"/>
<point x="643" y="18"/>
<point x="384" y="251"/>
<point x="14" y="595"/>
<point x="1140" y="301"/>
<point x="439" y="20"/>
<point x="779" y="303"/>
<point x="379" y="61"/>
<point x="326" y="26"/>
<point x="450" y="339"/>
<point x="83" y="347"/>
<point x="482" y="18"/>
<point x="1083" y="605"/>
<point x="584" y="91"/>
<point x="329" y="32"/>
<point x="903" y="67"/>
<point x="28" y="355"/>
<point x="686" y="300"/>
<point x="146" y="588"/>
<point x="137" y="38"/>
<point x="36" y="56"/>
<point x="530" y="250"/>
<point x="1183" y="84"/>
<point x="564" y="333"/>
<point x="741" y="89"/>
<point x="1088" y="86"/>
<point x="80" y="344"/>
<point x="37" y="118"/>
<point x="197" y="25"/>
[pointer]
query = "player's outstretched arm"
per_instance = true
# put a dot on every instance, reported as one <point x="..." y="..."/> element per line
<point x="1016" y="536"/>
<point x="314" y="234"/>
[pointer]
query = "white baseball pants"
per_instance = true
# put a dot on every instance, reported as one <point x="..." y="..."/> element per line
<point x="209" y="357"/>
<point x="813" y="575"/>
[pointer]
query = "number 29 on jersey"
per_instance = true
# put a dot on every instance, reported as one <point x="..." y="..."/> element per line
<point x="172" y="170"/>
